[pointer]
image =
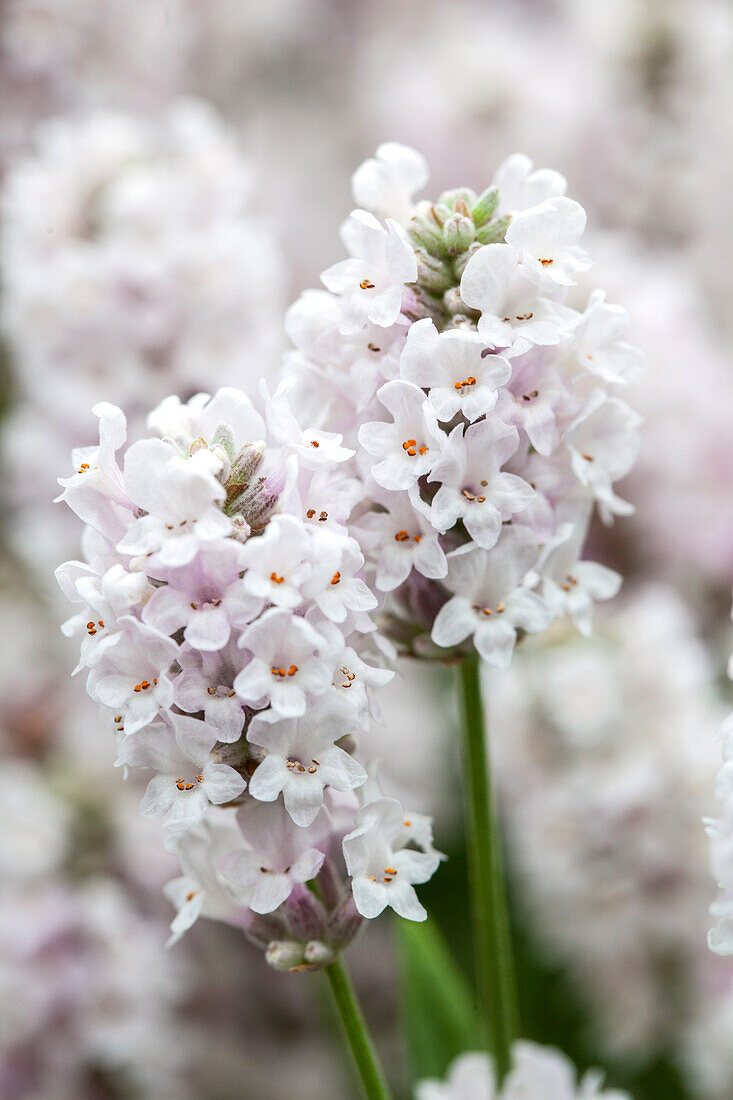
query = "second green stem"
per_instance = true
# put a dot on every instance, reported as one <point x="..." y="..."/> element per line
<point x="491" y="934"/>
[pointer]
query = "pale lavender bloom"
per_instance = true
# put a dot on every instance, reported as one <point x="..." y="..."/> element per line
<point x="278" y="856"/>
<point x="489" y="600"/>
<point x="472" y="485"/>
<point x="302" y="760"/>
<point x="383" y="869"/>
<point x="371" y="282"/>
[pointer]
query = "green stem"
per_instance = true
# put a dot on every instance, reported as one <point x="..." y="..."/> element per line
<point x="366" y="1058"/>
<point x="492" y="942"/>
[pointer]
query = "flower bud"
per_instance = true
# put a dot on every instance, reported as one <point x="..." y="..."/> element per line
<point x="284" y="955"/>
<point x="460" y="262"/>
<point x="458" y="233"/>
<point x="345" y="923"/>
<point x="243" y="469"/>
<point x="458" y="196"/>
<point x="417" y="303"/>
<point x="453" y="301"/>
<point x="224" y="437"/>
<point x="494" y="231"/>
<point x="432" y="273"/>
<point x="257" y="503"/>
<point x="305" y="915"/>
<point x="318" y="954"/>
<point x="263" y="930"/>
<point x="330" y="885"/>
<point x="484" y="208"/>
<point x="427" y="233"/>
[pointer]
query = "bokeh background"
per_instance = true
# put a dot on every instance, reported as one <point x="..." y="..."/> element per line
<point x="172" y="174"/>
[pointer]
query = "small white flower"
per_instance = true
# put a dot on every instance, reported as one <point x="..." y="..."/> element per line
<point x="205" y="598"/>
<point x="489" y="601"/>
<point x="315" y="448"/>
<point x="290" y="660"/>
<point x="106" y="599"/>
<point x="469" y="1077"/>
<point x="521" y="185"/>
<point x="570" y="586"/>
<point x="371" y="281"/>
<point x="279" y="562"/>
<point x="333" y="585"/>
<point x="513" y="315"/>
<point x="473" y="486"/>
<point x="383" y="871"/>
<point x="386" y="183"/>
<point x="400" y="538"/>
<point x="187" y="780"/>
<point x="96" y="490"/>
<point x="180" y="497"/>
<point x="409" y="446"/>
<point x="132" y="676"/>
<point x="538" y="1073"/>
<point x="302" y="760"/>
<point x="280" y="855"/>
<point x="603" y="442"/>
<point x="353" y="681"/>
<point x="546" y="238"/>
<point x="202" y="415"/>
<point x="201" y="891"/>
<point x="538" y="400"/>
<point x="455" y="368"/>
<point x="598" y="346"/>
<point x="206" y="683"/>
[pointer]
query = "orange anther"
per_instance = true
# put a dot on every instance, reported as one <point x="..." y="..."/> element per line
<point x="276" y="579"/>
<point x="365" y="284"/>
<point x="292" y="670"/>
<point x="336" y="578"/>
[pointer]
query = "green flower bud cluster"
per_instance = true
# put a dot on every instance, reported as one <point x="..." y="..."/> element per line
<point x="445" y="235"/>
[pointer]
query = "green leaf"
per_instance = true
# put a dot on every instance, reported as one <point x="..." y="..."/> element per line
<point x="440" y="1017"/>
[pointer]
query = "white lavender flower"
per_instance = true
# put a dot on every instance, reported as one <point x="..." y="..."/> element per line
<point x="538" y="1073"/>
<point x="229" y="640"/>
<point x="486" y="403"/>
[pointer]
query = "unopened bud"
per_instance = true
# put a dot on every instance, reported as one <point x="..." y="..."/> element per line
<point x="257" y="503"/>
<point x="247" y="462"/>
<point x="417" y="303"/>
<point x="494" y="231"/>
<point x="462" y="196"/>
<point x="224" y="437"/>
<point x="453" y="301"/>
<point x="330" y="885"/>
<point x="306" y="917"/>
<point x="284" y="955"/>
<point x="484" y="208"/>
<point x="263" y="930"/>
<point x="426" y="232"/>
<point x="459" y="263"/>
<point x="432" y="273"/>
<point x="318" y="954"/>
<point x="345" y="923"/>
<point x="458" y="233"/>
